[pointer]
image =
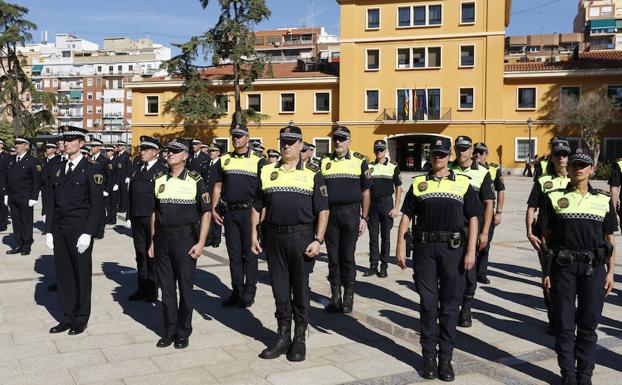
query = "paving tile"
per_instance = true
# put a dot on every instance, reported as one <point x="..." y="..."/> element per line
<point x="86" y="341"/>
<point x="51" y="362"/>
<point x="15" y="352"/>
<point x="323" y="375"/>
<point x="113" y="370"/>
<point x="189" y="376"/>
<point x="191" y="358"/>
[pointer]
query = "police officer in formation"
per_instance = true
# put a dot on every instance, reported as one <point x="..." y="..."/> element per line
<point x="180" y="224"/>
<point x="544" y="166"/>
<point x="197" y="159"/>
<point x="214" y="236"/>
<point x="111" y="201"/>
<point x="23" y="181"/>
<point x="294" y="196"/>
<point x="274" y="156"/>
<point x="235" y="182"/>
<point x="141" y="206"/>
<point x="105" y="165"/>
<point x="387" y="179"/>
<point x="76" y="204"/>
<point x="444" y="208"/>
<point x="348" y="180"/>
<point x="480" y="180"/>
<point x="308" y="151"/>
<point x="122" y="165"/>
<point x="480" y="155"/>
<point x="578" y="222"/>
<point x="615" y="181"/>
<point x="4" y="210"/>
<point x="48" y="161"/>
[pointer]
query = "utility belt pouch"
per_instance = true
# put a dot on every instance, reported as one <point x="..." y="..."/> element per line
<point x="408" y="238"/>
<point x="455" y="241"/>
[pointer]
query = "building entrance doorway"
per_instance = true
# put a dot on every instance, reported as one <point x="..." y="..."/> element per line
<point x="410" y="151"/>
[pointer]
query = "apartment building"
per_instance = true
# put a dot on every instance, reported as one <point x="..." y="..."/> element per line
<point x="548" y="47"/>
<point x="292" y="44"/>
<point x="601" y="23"/>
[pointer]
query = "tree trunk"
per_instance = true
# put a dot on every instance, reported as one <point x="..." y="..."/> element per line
<point x="237" y="116"/>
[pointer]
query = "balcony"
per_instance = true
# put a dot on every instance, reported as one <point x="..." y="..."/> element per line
<point x="394" y="115"/>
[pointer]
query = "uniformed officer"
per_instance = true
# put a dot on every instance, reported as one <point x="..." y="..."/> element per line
<point x="348" y="180"/>
<point x="180" y="224"/>
<point x="582" y="269"/>
<point x="557" y="179"/>
<point x="296" y="214"/>
<point x="308" y="150"/>
<point x="444" y="205"/>
<point x="480" y="155"/>
<point x="215" y="230"/>
<point x="615" y="181"/>
<point x="481" y="182"/>
<point x="77" y="201"/>
<point x="387" y="179"/>
<point x="49" y="159"/>
<point x="197" y="160"/>
<point x="122" y="165"/>
<point x="259" y="150"/>
<point x="235" y="182"/>
<point x="205" y="149"/>
<point x="111" y="201"/>
<point x="4" y="165"/>
<point x="544" y="166"/>
<point x="105" y="164"/>
<point x="273" y="155"/>
<point x="141" y="206"/>
<point x="23" y="180"/>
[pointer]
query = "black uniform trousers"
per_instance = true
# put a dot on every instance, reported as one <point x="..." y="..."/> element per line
<point x="124" y="197"/>
<point x="73" y="275"/>
<point x="141" y="235"/>
<point x="21" y="215"/>
<point x="214" y="235"/>
<point x="242" y="261"/>
<point x="439" y="280"/>
<point x="342" y="233"/>
<point x="482" y="257"/>
<point x="101" y="225"/>
<point x="289" y="270"/>
<point x="112" y="207"/>
<point x="380" y="223"/>
<point x="471" y="275"/>
<point x="175" y="269"/>
<point x="4" y="213"/>
<point x="569" y="284"/>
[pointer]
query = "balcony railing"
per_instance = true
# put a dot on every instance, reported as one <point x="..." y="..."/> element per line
<point x="430" y="114"/>
<point x="298" y="42"/>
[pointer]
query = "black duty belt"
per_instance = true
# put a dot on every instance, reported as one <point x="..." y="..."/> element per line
<point x="346" y="206"/>
<point x="287" y="229"/>
<point x="238" y="206"/>
<point x="438" y="236"/>
<point x="178" y="230"/>
<point x="381" y="199"/>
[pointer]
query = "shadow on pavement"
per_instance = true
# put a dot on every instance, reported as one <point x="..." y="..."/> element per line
<point x="122" y="230"/>
<point x="44" y="265"/>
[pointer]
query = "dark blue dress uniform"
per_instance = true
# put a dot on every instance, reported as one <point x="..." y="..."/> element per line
<point x="197" y="160"/>
<point x="4" y="210"/>
<point x="47" y="164"/>
<point x="214" y="236"/>
<point x="122" y="163"/>
<point x="179" y="204"/>
<point x="23" y="184"/>
<point x="107" y="170"/>
<point x="111" y="202"/>
<point x="77" y="202"/>
<point x="615" y="180"/>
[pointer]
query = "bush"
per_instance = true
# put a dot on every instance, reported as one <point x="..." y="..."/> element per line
<point x="603" y="170"/>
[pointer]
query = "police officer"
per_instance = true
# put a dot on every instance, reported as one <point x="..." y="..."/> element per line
<point x="215" y="230"/>
<point x="49" y="159"/>
<point x="141" y="206"/>
<point x="77" y="201"/>
<point x="105" y="164"/>
<point x="259" y="150"/>
<point x="197" y="160"/>
<point x="122" y="165"/>
<point x="4" y="165"/>
<point x="205" y="149"/>
<point x="111" y="201"/>
<point x="442" y="202"/>
<point x="348" y="180"/>
<point x="582" y="269"/>
<point x="273" y="156"/>
<point x="23" y="180"/>
<point x="615" y="181"/>
<point x="480" y="155"/>
<point x="387" y="179"/>
<point x="296" y="213"/>
<point x="181" y="221"/>
<point x="481" y="182"/>
<point x="308" y="151"/>
<point x="544" y="166"/>
<point x="235" y="182"/>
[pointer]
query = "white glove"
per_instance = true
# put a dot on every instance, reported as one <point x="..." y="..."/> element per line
<point x="43" y="218"/>
<point x="6" y="200"/>
<point x="105" y="194"/>
<point x="83" y="243"/>
<point x="115" y="187"/>
<point x="129" y="224"/>
<point x="49" y="241"/>
<point x="31" y="203"/>
<point x="127" y="180"/>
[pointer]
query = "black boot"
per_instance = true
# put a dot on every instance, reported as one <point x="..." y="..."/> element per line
<point x="383" y="271"/>
<point x="583" y="379"/>
<point x="283" y="341"/>
<point x="298" y="350"/>
<point x="373" y="270"/>
<point x="569" y="379"/>
<point x="446" y="371"/>
<point x="233" y="299"/>
<point x="348" y="299"/>
<point x="430" y="369"/>
<point x="139" y="293"/>
<point x="335" y="299"/>
<point x="465" y="313"/>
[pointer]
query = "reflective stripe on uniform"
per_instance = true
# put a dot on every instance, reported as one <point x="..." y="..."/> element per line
<point x="277" y="179"/>
<point x="175" y="190"/>
<point x="384" y="171"/>
<point x="244" y="165"/>
<point x="574" y="205"/>
<point x="445" y="188"/>
<point x="549" y="183"/>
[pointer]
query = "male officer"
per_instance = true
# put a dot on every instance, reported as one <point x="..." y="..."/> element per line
<point x="386" y="177"/>
<point x="141" y="206"/>
<point x="442" y="202"/>
<point x="235" y="182"/>
<point x="197" y="160"/>
<point x="273" y="156"/>
<point x="77" y="200"/>
<point x="49" y="159"/>
<point x="296" y="213"/>
<point x="180" y="223"/>
<point x="259" y="150"/>
<point x="112" y="200"/>
<point x="23" y="180"/>
<point x="105" y="164"/>
<point x="205" y="149"/>
<point x="308" y="150"/>
<point x="615" y="181"/>
<point x="579" y="223"/>
<point x="480" y="155"/>
<point x="122" y="165"/>
<point x="4" y="165"/>
<point x="482" y="183"/>
<point x="348" y="180"/>
<point x="215" y="230"/>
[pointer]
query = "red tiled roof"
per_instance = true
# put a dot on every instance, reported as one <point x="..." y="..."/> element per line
<point x="586" y="61"/>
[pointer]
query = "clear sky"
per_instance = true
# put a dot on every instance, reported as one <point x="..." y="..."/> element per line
<point x="167" y="21"/>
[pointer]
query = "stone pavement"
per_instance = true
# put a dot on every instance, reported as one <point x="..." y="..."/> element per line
<point x="377" y="344"/>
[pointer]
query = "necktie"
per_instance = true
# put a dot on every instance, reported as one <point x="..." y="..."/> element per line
<point x="19" y="158"/>
<point x="70" y="169"/>
<point x="144" y="169"/>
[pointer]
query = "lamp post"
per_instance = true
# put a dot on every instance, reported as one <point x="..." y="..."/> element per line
<point x="529" y="125"/>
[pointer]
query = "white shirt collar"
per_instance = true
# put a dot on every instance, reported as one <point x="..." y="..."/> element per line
<point x="151" y="163"/>
<point x="74" y="162"/>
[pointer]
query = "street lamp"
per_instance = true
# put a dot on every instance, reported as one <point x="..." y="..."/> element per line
<point x="529" y="125"/>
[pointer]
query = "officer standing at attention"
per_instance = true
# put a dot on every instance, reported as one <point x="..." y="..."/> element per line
<point x="215" y="230"/>
<point x="296" y="214"/>
<point x="23" y="179"/>
<point x="48" y="161"/>
<point x="197" y="160"/>
<point x="141" y="206"/>
<point x="111" y="201"/>
<point x="106" y="168"/>
<point x="579" y="222"/>
<point x="556" y="179"/>
<point x="387" y="179"/>
<point x="348" y="180"/>
<point x="4" y="165"/>
<point x="443" y="203"/>
<point x="274" y="156"/>
<point x="480" y="155"/>
<point x="308" y="151"/>
<point x="481" y="182"/>
<point x="77" y="201"/>
<point x="236" y="182"/>
<point x="122" y="165"/>
<point x="180" y="223"/>
<point x="615" y="181"/>
<point x="544" y="166"/>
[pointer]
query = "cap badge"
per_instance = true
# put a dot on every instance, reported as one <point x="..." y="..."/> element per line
<point x="439" y="142"/>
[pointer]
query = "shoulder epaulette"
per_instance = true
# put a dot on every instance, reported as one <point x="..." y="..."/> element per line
<point x="194" y="175"/>
<point x="158" y="174"/>
<point x="464" y="176"/>
<point x="556" y="190"/>
<point x="393" y="162"/>
<point x="494" y="164"/>
<point x="313" y="167"/>
<point x="604" y="192"/>
<point x="325" y="155"/>
<point x="358" y="155"/>
<point x="91" y="161"/>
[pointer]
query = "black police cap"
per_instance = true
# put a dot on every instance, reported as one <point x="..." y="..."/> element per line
<point x="290" y="132"/>
<point x="149" y="142"/>
<point x="239" y="129"/>
<point x="463" y="142"/>
<point x="581" y="155"/>
<point x="440" y="144"/>
<point x="342" y="132"/>
<point x="380" y="145"/>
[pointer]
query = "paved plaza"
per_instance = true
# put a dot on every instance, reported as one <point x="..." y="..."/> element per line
<point x="377" y="344"/>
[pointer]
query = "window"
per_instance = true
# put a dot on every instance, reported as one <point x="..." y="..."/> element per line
<point x="222" y="101"/>
<point x="46" y="83"/>
<point x="522" y="150"/>
<point x="420" y="16"/>
<point x="322" y="102"/>
<point x="274" y="39"/>
<point x="615" y="94"/>
<point x="99" y="68"/>
<point x="435" y="14"/>
<point x="110" y="69"/>
<point x="223" y="143"/>
<point x="403" y="16"/>
<point x="373" y="60"/>
<point x="403" y="58"/>
<point x="98" y="110"/>
<point x="613" y="148"/>
<point x="89" y="96"/>
<point x="66" y="53"/>
<point x="420" y="57"/>
<point x="594" y="11"/>
<point x="98" y="82"/>
<point x="607" y="11"/>
<point x="98" y="95"/>
<point x="434" y="57"/>
<point x="89" y="82"/>
<point x="373" y="18"/>
<point x="153" y="107"/>
<point x="418" y="104"/>
<point x="129" y="95"/>
<point x="467" y="13"/>
<point x="371" y="100"/>
<point x="467" y="56"/>
<point x="120" y="68"/>
<point x="322" y="147"/>
<point x="130" y="68"/>
<point x="254" y="101"/>
<point x="526" y="98"/>
<point x="569" y="93"/>
<point x="259" y="40"/>
<point x="89" y="109"/>
<point x="466" y="98"/>
<point x="288" y="102"/>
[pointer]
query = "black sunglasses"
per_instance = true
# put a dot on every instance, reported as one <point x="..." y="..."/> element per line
<point x="175" y="150"/>
<point x="479" y="152"/>
<point x="237" y="136"/>
<point x="288" y="142"/>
